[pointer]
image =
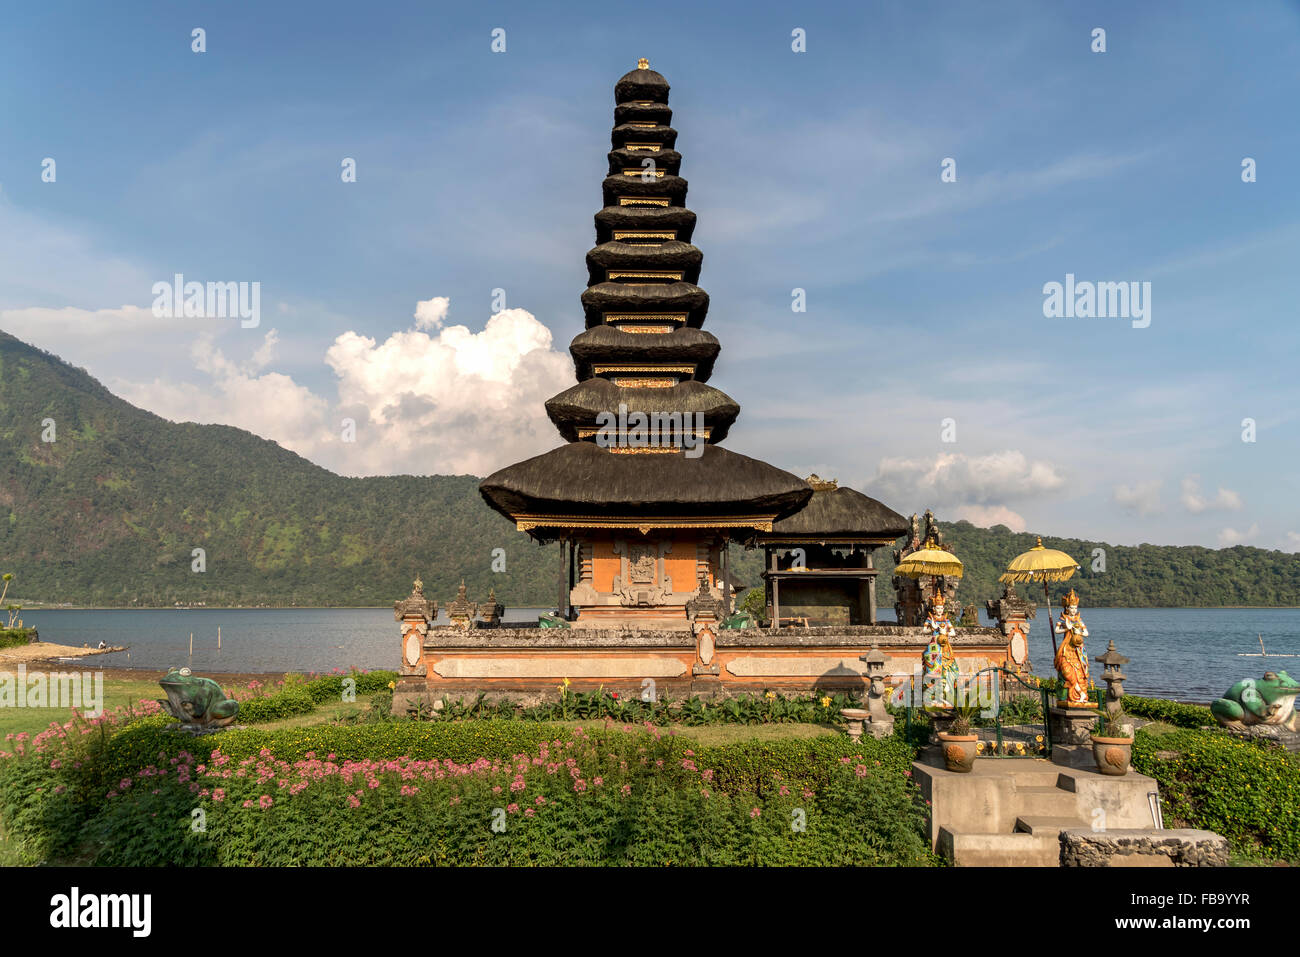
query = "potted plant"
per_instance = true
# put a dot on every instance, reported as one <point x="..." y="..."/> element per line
<point x="1112" y="749"/>
<point x="958" y="742"/>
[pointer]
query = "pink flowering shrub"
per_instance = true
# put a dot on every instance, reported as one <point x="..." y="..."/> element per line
<point x="480" y="792"/>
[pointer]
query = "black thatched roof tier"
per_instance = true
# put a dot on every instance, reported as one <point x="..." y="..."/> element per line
<point x="839" y="514"/>
<point x="583" y="479"/>
<point x="641" y="84"/>
<point x="619" y="298"/>
<point x="670" y="161"/>
<point x="607" y="344"/>
<point x="633" y="112"/>
<point x="578" y="406"/>
<point x="671" y="187"/>
<point x="608" y="260"/>
<point x="628" y="133"/>
<point x="643" y="331"/>
<point x="669" y="218"/>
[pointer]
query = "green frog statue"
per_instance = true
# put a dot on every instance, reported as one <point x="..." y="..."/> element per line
<point x="1270" y="701"/>
<point x="198" y="703"/>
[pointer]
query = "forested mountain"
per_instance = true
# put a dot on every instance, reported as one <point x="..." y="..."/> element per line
<point x="109" y="514"/>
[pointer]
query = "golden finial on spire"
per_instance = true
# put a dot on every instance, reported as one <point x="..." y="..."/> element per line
<point x="643" y="64"/>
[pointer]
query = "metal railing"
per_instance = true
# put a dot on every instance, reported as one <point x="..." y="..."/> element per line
<point x="1043" y="691"/>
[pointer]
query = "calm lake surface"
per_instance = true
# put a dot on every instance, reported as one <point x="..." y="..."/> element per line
<point x="1184" y="653"/>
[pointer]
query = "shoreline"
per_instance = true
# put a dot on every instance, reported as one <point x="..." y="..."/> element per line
<point x="46" y="652"/>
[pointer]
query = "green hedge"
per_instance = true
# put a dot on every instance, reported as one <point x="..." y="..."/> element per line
<point x="330" y="687"/>
<point x="1245" y="790"/>
<point x="647" y="799"/>
<point x="283" y="704"/>
<point x="302" y="696"/>
<point x="818" y="707"/>
<point x="1170" y="712"/>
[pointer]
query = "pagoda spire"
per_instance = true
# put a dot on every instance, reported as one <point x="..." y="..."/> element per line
<point x="643" y="349"/>
<point x="643" y="355"/>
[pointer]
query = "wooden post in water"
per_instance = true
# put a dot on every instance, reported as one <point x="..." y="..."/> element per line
<point x="218" y="637"/>
<point x="191" y="648"/>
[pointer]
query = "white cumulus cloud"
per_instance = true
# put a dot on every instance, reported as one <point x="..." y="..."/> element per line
<point x="268" y="404"/>
<point x="974" y="487"/>
<point x="1230" y="536"/>
<point x="434" y="399"/>
<point x="953" y="477"/>
<point x="431" y="313"/>
<point x="1141" y="497"/>
<point x="990" y="515"/>
<point x="457" y="401"/>
<point x="1224" y="500"/>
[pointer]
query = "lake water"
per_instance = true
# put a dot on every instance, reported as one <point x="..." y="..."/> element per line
<point x="1184" y="653"/>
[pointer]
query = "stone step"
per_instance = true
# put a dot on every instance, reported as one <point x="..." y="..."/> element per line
<point x="1045" y="802"/>
<point x="1042" y="824"/>
<point x="1041" y="774"/>
<point x="1000" y="850"/>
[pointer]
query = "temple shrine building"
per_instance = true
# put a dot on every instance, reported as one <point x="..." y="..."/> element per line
<point x="646" y="503"/>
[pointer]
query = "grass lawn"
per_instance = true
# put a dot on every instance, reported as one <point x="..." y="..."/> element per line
<point x="710" y="734"/>
<point x="117" y="692"/>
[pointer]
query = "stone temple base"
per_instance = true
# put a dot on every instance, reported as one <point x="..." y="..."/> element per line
<point x="531" y="664"/>
<point x="1071" y="731"/>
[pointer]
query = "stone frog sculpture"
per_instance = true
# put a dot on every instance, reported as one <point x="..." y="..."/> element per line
<point x="198" y="703"/>
<point x="1270" y="700"/>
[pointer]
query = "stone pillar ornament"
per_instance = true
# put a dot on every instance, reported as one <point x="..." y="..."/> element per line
<point x="461" y="611"/>
<point x="1012" y="613"/>
<point x="416" y="614"/>
<point x="490" y="612"/>
<point x="705" y="614"/>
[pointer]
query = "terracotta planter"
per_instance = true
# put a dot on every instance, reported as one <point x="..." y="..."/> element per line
<point x="958" y="751"/>
<point x="1112" y="754"/>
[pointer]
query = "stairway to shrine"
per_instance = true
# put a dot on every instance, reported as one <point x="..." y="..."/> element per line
<point x="1010" y="812"/>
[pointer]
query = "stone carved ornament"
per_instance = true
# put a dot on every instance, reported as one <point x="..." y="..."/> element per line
<point x="642" y="581"/>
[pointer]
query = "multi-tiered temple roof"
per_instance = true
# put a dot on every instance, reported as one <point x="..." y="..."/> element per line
<point x="643" y="351"/>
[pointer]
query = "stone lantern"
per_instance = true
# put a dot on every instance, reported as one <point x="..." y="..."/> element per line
<point x="881" y="721"/>
<point x="1113" y="677"/>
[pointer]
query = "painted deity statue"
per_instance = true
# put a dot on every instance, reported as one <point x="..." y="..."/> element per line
<point x="939" y="680"/>
<point x="1071" y="659"/>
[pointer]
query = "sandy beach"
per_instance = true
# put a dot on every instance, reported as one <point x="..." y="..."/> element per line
<point x="48" y="651"/>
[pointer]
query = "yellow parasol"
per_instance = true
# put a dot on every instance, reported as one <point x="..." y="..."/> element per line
<point x="930" y="560"/>
<point x="1045" y="565"/>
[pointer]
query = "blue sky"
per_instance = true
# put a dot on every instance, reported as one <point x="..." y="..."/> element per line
<point x="817" y="170"/>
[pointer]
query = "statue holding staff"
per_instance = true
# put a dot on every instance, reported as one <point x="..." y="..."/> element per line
<point x="1071" y="659"/>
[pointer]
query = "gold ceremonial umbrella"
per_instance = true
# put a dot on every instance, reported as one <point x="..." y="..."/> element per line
<point x="1045" y="565"/>
<point x="930" y="560"/>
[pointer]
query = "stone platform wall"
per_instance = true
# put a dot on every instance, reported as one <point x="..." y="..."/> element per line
<point x="529" y="664"/>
